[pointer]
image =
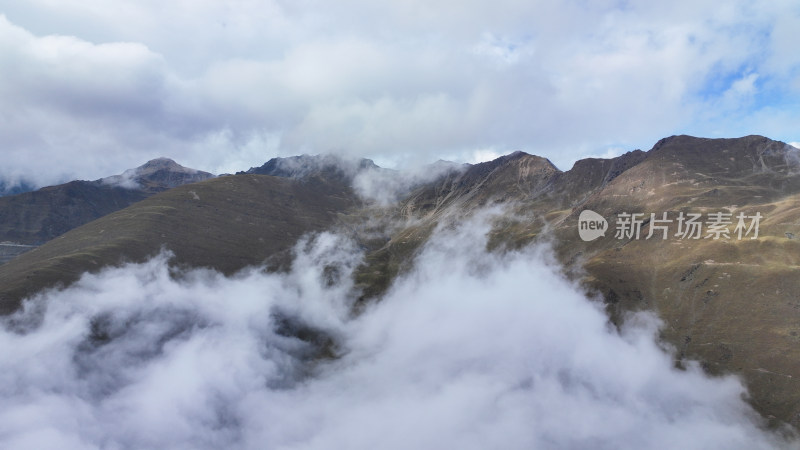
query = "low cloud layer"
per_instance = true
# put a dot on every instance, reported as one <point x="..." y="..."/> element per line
<point x="92" y="88"/>
<point x="469" y="350"/>
<point x="386" y="187"/>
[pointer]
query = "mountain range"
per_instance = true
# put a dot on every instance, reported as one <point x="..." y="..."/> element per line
<point x="728" y="301"/>
<point x="31" y="218"/>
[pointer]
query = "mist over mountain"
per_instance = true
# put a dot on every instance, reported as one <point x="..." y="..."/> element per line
<point x="14" y="187"/>
<point x="304" y="166"/>
<point x="343" y="292"/>
<point x="470" y="348"/>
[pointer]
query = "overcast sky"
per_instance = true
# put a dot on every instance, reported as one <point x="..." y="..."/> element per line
<point x="89" y="88"/>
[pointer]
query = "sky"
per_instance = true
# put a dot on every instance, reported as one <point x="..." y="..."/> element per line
<point x="93" y="87"/>
<point x="469" y="350"/>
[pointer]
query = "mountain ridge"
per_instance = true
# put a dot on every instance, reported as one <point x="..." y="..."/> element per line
<point x="33" y="218"/>
<point x="326" y="165"/>
<point x="728" y="303"/>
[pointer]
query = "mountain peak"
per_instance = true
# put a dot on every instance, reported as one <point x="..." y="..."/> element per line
<point x="304" y="166"/>
<point x="726" y="157"/>
<point x="162" y="162"/>
<point x="156" y="175"/>
<point x="518" y="159"/>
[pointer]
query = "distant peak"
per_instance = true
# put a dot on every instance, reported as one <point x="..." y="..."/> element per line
<point x="161" y="160"/>
<point x="528" y="158"/>
<point x="156" y="175"/>
<point x="304" y="166"/>
<point x="161" y="164"/>
<point x="687" y="140"/>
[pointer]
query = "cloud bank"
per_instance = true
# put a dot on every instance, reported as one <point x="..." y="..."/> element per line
<point x="469" y="350"/>
<point x="92" y="88"/>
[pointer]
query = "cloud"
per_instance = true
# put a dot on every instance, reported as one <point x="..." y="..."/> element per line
<point x="74" y="105"/>
<point x="94" y="88"/>
<point x="469" y="350"/>
<point x="386" y="187"/>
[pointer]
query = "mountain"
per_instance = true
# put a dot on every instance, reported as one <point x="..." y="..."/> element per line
<point x="32" y="218"/>
<point x="225" y="223"/>
<point x="155" y="176"/>
<point x="729" y="303"/>
<point x="304" y="166"/>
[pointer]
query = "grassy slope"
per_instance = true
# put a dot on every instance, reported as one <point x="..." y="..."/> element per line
<point x="728" y="303"/>
<point x="225" y="223"/>
<point x="38" y="216"/>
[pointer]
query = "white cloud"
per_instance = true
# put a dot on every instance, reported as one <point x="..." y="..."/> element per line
<point x="470" y="350"/>
<point x="121" y="82"/>
<point x="483" y="155"/>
